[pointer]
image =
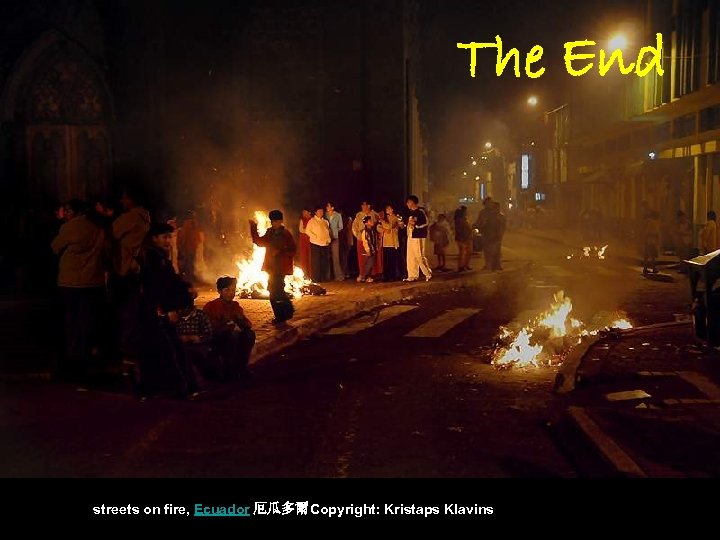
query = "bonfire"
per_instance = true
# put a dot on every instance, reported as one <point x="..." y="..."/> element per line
<point x="547" y="338"/>
<point x="253" y="281"/>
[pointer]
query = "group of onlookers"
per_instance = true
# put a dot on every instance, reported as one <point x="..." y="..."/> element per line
<point x="123" y="300"/>
<point x="385" y="245"/>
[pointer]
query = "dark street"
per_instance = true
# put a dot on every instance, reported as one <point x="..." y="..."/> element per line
<point x="402" y="391"/>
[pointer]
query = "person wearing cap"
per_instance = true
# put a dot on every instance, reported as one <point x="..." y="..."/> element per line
<point x="278" y="263"/>
<point x="163" y="364"/>
<point x="232" y="334"/>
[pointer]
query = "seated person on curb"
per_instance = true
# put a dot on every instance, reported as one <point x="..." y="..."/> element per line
<point x="195" y="332"/>
<point x="233" y="337"/>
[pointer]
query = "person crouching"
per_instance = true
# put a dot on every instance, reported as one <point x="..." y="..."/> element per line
<point x="233" y="337"/>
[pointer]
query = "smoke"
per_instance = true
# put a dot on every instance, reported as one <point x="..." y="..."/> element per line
<point x="224" y="166"/>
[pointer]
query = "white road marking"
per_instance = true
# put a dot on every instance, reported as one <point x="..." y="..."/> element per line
<point x="439" y="325"/>
<point x="702" y="383"/>
<point x="363" y="323"/>
<point x="620" y="459"/>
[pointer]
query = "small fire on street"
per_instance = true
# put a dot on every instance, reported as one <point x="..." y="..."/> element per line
<point x="253" y="282"/>
<point x="546" y="339"/>
<point x="589" y="253"/>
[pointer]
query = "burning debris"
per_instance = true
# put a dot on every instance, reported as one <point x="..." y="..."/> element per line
<point x="589" y="253"/>
<point x="253" y="282"/>
<point x="547" y="338"/>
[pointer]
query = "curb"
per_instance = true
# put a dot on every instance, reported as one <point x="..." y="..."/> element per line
<point x="567" y="378"/>
<point x="308" y="327"/>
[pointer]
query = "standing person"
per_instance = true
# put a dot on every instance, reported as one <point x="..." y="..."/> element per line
<point x="278" y="263"/>
<point x="463" y="239"/>
<point x="493" y="232"/>
<point x="335" y="221"/>
<point x="378" y="265"/>
<point x="368" y="245"/>
<point x="233" y="337"/>
<point x="440" y="236"/>
<point x="80" y="244"/>
<point x="163" y="363"/>
<point x="651" y="240"/>
<point x="348" y="252"/>
<point x="709" y="234"/>
<point x="318" y="229"/>
<point x="358" y="226"/>
<point x="417" y="233"/>
<point x="304" y="242"/>
<point x="390" y="227"/>
<point x="128" y="232"/>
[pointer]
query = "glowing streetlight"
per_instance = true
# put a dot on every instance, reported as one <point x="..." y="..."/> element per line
<point x="488" y="145"/>
<point x="532" y="101"/>
<point x="618" y="41"/>
<point x="474" y="162"/>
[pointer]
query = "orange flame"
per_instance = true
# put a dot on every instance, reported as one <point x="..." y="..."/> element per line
<point x="253" y="281"/>
<point x="547" y="347"/>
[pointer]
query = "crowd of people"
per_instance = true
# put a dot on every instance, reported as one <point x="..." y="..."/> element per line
<point x="125" y="301"/>
<point x="126" y="282"/>
<point x="389" y="245"/>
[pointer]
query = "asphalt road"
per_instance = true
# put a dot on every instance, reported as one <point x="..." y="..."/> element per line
<point x="405" y="391"/>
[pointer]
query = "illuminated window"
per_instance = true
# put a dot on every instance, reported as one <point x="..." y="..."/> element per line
<point x="525" y="171"/>
<point x="539" y="196"/>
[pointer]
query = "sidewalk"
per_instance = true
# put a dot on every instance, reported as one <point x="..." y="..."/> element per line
<point x="646" y="404"/>
<point x="22" y="358"/>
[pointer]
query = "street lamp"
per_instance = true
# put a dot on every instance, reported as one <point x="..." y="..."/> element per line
<point x="488" y="145"/>
<point x="532" y="101"/>
<point x="618" y="41"/>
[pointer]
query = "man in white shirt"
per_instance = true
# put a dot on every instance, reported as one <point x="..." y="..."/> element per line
<point x="335" y="222"/>
<point x="318" y="229"/>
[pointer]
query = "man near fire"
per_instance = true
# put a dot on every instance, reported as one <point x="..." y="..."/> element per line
<point x="278" y="263"/>
<point x="233" y="337"/>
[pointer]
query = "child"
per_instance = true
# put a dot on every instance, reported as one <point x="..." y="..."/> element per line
<point x="368" y="249"/>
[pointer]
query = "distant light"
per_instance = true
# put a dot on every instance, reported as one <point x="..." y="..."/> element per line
<point x="477" y="178"/>
<point x="525" y="171"/>
<point x="532" y="143"/>
<point x="474" y="162"/>
<point x="532" y="101"/>
<point x="618" y="41"/>
<point x="488" y="145"/>
<point x="652" y="155"/>
<point x="464" y="173"/>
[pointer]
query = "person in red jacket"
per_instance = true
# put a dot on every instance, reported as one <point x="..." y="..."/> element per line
<point x="278" y="263"/>
<point x="233" y="337"/>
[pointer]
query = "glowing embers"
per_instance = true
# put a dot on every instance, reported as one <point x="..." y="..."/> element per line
<point x="589" y="253"/>
<point x="547" y="338"/>
<point x="253" y="282"/>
